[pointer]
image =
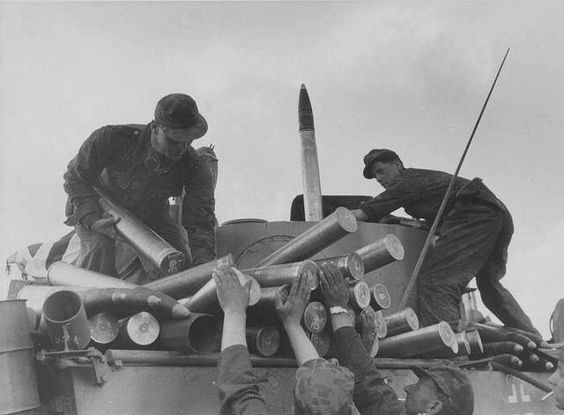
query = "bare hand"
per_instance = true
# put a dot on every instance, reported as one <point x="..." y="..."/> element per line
<point x="105" y="226"/>
<point x="291" y="310"/>
<point x="333" y="286"/>
<point x="368" y="328"/>
<point x="232" y="296"/>
<point x="360" y="215"/>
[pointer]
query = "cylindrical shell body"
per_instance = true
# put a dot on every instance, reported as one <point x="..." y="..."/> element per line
<point x="463" y="344"/>
<point x="428" y="339"/>
<point x="264" y="341"/>
<point x="381" y="252"/>
<point x="401" y="322"/>
<point x="205" y="299"/>
<point x="490" y="334"/>
<point x="66" y="320"/>
<point x="324" y="233"/>
<point x="313" y="206"/>
<point x="350" y="265"/>
<point x="359" y="295"/>
<point x="200" y="333"/>
<point x="139" y="330"/>
<point x="18" y="379"/>
<point x="380" y="299"/>
<point x="104" y="328"/>
<point x="60" y="273"/>
<point x="315" y="317"/>
<point x="475" y="342"/>
<point x="37" y="294"/>
<point x="277" y="275"/>
<point x="163" y="255"/>
<point x="187" y="282"/>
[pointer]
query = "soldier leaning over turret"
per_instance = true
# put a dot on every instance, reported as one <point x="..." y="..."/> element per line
<point x="474" y="234"/>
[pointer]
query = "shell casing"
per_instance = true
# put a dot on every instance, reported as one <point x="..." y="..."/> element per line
<point x="475" y="342"/>
<point x="315" y="317"/>
<point x="264" y="341"/>
<point x="425" y="340"/>
<point x="381" y="252"/>
<point x="380" y="299"/>
<point x="359" y="295"/>
<point x="205" y="299"/>
<point x="187" y="282"/>
<point x="310" y="242"/>
<point x="277" y="275"/>
<point x="200" y="333"/>
<point x="104" y="328"/>
<point x="401" y="322"/>
<point x="158" y="251"/>
<point x="141" y="329"/>
<point x="321" y="341"/>
<point x="61" y="273"/>
<point x="463" y="344"/>
<point x="350" y="265"/>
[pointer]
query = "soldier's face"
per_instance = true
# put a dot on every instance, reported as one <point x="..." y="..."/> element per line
<point x="170" y="143"/>
<point x="422" y="397"/>
<point x="557" y="382"/>
<point x="386" y="173"/>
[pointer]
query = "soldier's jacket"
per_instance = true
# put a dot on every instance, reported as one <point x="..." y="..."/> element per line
<point x="119" y="160"/>
<point x="420" y="192"/>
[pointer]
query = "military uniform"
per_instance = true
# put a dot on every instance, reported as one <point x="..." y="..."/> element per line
<point x="474" y="234"/>
<point x="119" y="160"/>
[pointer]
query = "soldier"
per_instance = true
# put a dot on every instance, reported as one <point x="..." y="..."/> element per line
<point x="473" y="236"/>
<point x="140" y="167"/>
<point x="442" y="389"/>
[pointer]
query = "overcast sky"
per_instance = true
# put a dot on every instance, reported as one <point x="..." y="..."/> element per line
<point x="411" y="76"/>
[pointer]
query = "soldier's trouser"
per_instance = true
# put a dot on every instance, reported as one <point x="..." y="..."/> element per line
<point x="98" y="252"/>
<point x="473" y="242"/>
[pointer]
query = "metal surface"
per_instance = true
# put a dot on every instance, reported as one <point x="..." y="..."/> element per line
<point x="158" y="251"/>
<point x="433" y="338"/>
<point x="463" y="344"/>
<point x="313" y="207"/>
<point x="350" y="265"/>
<point x="18" y="379"/>
<point x="381" y="252"/>
<point x="200" y="333"/>
<point x="315" y="317"/>
<point x="380" y="299"/>
<point x="35" y="295"/>
<point x="277" y="275"/>
<point x="66" y="320"/>
<point x="322" y="234"/>
<point x="264" y="341"/>
<point x="205" y="299"/>
<point x="401" y="322"/>
<point x="61" y="273"/>
<point x="187" y="282"/>
<point x="359" y="295"/>
<point x="475" y="341"/>
<point x="321" y="341"/>
<point x="141" y="329"/>
<point x="104" y="328"/>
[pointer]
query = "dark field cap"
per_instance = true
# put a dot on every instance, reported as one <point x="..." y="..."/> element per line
<point x="324" y="387"/>
<point x="180" y="112"/>
<point x="454" y="383"/>
<point x="377" y="155"/>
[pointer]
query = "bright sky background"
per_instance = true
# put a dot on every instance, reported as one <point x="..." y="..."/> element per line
<point x="411" y="76"/>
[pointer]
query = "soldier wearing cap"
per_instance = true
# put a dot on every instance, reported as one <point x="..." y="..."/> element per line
<point x="442" y="389"/>
<point x="473" y="236"/>
<point x="557" y="353"/>
<point x="140" y="167"/>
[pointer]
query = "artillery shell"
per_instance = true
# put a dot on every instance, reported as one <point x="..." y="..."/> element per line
<point x="315" y="317"/>
<point x="381" y="299"/>
<point x="381" y="252"/>
<point x="401" y="322"/>
<point x="264" y="341"/>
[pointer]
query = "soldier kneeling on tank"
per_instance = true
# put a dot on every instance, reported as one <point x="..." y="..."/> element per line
<point x="322" y="387"/>
<point x="443" y="389"/>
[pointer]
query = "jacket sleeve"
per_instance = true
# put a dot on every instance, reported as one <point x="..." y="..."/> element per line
<point x="385" y="203"/>
<point x="372" y="395"/>
<point x="198" y="214"/>
<point x="83" y="172"/>
<point x="237" y="386"/>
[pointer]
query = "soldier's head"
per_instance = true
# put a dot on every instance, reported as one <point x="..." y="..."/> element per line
<point x="557" y="352"/>
<point x="443" y="389"/>
<point x="177" y="123"/>
<point x="383" y="165"/>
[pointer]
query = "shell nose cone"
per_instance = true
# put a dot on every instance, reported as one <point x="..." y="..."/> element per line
<point x="305" y="113"/>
